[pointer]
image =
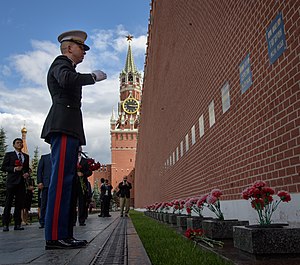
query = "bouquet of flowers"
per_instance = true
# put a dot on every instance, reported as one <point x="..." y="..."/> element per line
<point x="178" y="206"/>
<point x="92" y="165"/>
<point x="261" y="197"/>
<point x="212" y="202"/>
<point x="165" y="207"/>
<point x="194" y="204"/>
<point x="198" y="235"/>
<point x="157" y="206"/>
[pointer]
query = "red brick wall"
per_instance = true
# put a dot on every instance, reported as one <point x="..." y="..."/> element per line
<point x="103" y="172"/>
<point x="194" y="48"/>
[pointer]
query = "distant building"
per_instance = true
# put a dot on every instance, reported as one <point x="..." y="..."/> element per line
<point x="124" y="126"/>
<point x="24" y="133"/>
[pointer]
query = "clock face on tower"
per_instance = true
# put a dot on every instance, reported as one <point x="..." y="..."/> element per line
<point x="130" y="105"/>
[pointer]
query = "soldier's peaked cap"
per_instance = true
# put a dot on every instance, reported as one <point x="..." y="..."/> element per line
<point x="76" y="36"/>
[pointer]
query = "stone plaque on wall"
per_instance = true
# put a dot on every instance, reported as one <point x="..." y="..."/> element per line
<point x="276" y="38"/>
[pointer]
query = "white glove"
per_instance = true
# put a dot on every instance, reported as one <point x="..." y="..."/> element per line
<point x="98" y="75"/>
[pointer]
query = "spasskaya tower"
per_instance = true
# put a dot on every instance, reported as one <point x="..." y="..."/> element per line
<point x="124" y="124"/>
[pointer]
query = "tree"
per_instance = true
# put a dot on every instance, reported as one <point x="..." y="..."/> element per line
<point x="34" y="166"/>
<point x="96" y="194"/>
<point x="3" y="148"/>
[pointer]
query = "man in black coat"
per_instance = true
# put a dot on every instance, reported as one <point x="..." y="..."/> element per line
<point x="105" y="197"/>
<point x="16" y="164"/>
<point x="43" y="179"/>
<point x="124" y="194"/>
<point x="63" y="129"/>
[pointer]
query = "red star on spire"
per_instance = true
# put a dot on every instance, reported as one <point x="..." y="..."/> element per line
<point x="129" y="37"/>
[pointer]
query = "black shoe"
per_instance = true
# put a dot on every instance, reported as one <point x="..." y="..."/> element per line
<point x="18" y="227"/>
<point x="107" y="215"/>
<point x="121" y="215"/>
<point x="78" y="240"/>
<point x="99" y="215"/>
<point x="64" y="244"/>
<point x="5" y="228"/>
<point x="83" y="224"/>
<point x="41" y="226"/>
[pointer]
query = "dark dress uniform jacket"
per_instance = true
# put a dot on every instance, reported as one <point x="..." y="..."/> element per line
<point x="65" y="87"/>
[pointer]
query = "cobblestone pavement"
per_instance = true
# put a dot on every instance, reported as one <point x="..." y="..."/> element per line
<point x="112" y="240"/>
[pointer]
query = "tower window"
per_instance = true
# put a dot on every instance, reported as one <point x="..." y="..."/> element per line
<point x="130" y="77"/>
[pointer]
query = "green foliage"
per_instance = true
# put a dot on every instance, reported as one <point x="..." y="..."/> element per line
<point x="165" y="246"/>
<point x="3" y="148"/>
<point x="34" y="166"/>
<point x="96" y="194"/>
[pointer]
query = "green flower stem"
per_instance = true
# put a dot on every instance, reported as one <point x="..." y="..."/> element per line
<point x="265" y="214"/>
<point x="208" y="241"/>
<point x="83" y="186"/>
<point x="216" y="209"/>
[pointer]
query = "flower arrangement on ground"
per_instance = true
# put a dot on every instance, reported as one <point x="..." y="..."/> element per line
<point x="262" y="201"/>
<point x="198" y="236"/>
<point x="212" y="202"/>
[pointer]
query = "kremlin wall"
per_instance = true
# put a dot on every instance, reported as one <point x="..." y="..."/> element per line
<point x="221" y="103"/>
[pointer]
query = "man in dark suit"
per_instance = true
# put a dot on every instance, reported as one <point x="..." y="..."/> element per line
<point x="102" y="191"/>
<point x="106" y="196"/>
<point x="82" y="174"/>
<point x="63" y="129"/>
<point x="124" y="194"/>
<point x="16" y="164"/>
<point x="43" y="179"/>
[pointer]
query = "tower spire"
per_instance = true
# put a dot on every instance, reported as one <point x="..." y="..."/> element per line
<point x="129" y="66"/>
<point x="24" y="132"/>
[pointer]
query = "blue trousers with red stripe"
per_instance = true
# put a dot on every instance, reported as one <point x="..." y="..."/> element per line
<point x="59" y="218"/>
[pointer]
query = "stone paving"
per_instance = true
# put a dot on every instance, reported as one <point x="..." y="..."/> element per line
<point x="112" y="240"/>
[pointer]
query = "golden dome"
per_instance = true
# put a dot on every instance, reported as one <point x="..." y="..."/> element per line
<point x="23" y="130"/>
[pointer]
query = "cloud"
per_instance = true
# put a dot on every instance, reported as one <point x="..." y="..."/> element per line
<point x="33" y="65"/>
<point x="29" y="100"/>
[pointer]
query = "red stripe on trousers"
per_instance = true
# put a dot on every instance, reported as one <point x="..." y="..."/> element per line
<point x="60" y="178"/>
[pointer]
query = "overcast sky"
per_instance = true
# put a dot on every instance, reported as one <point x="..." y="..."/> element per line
<point x="29" y="44"/>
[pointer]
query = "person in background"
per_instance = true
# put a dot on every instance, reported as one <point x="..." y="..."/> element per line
<point x="81" y="197"/>
<point x="89" y="199"/>
<point x="16" y="164"/>
<point x="63" y="129"/>
<point x="102" y="192"/>
<point x="43" y="179"/>
<point x="124" y="194"/>
<point x="106" y="197"/>
<point x="29" y="191"/>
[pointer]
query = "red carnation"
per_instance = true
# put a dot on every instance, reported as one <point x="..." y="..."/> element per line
<point x="284" y="196"/>
<point x="18" y="163"/>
